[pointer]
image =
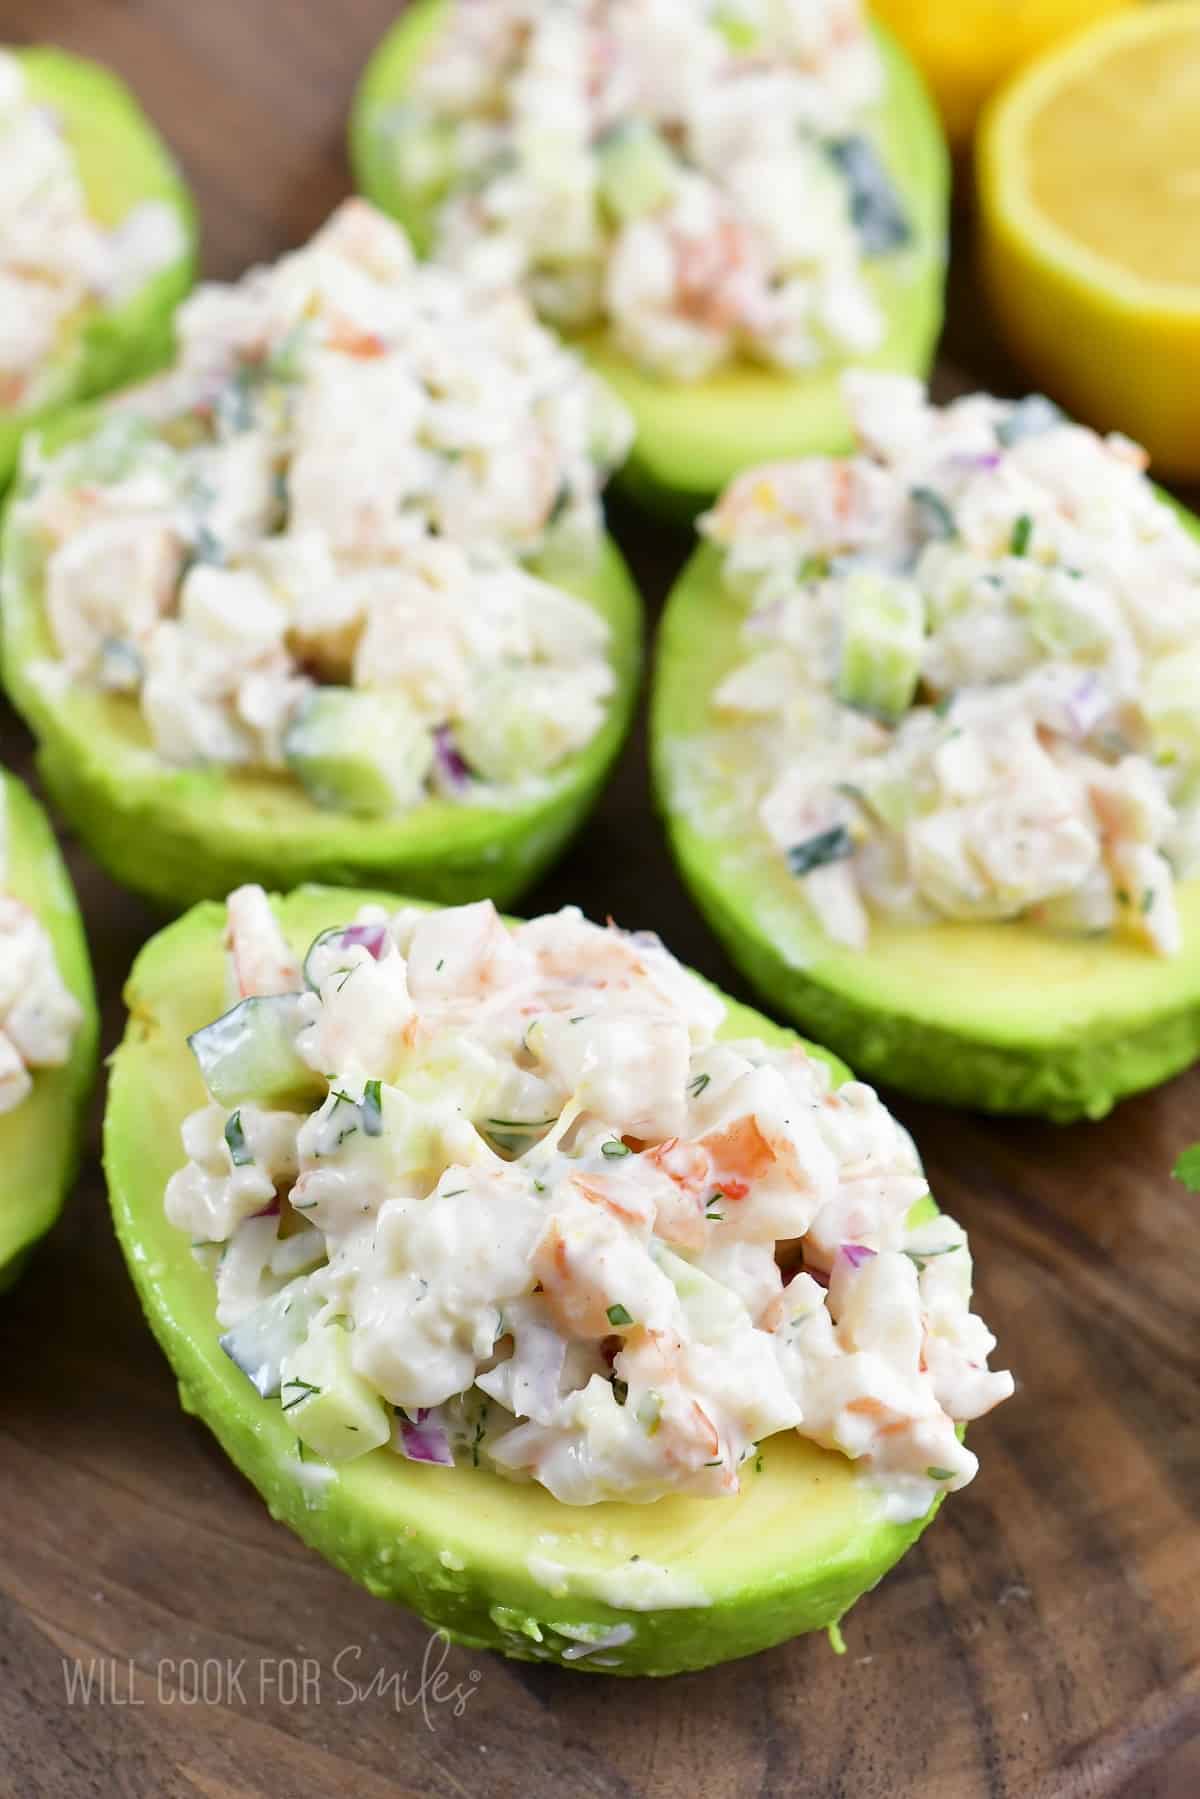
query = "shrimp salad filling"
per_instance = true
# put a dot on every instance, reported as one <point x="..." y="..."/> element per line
<point x="699" y="175"/>
<point x="56" y="263"/>
<point x="968" y="672"/>
<point x="497" y="1198"/>
<point x="302" y="548"/>
<point x="39" y="1015"/>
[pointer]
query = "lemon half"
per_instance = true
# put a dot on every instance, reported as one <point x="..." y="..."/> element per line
<point x="965" y="48"/>
<point x="1089" y="233"/>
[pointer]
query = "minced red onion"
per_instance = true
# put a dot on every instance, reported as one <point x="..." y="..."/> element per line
<point x="856" y="1253"/>
<point x="372" y="937"/>
<point x="449" y="767"/>
<point x="424" y="1439"/>
<point x="1086" y="705"/>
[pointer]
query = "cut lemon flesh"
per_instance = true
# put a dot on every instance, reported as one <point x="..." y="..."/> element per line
<point x="1089" y="201"/>
<point x="1114" y="153"/>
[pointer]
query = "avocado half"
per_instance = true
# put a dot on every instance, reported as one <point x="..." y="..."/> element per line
<point x="683" y="1583"/>
<point x="692" y="438"/>
<point x="183" y="834"/>
<point x="1000" y="1017"/>
<point x="122" y="161"/>
<point x="39" y="1139"/>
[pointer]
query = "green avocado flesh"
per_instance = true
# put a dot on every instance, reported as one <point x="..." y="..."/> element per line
<point x="693" y="437"/>
<point x="39" y="1139"/>
<point x="1003" y="1017"/>
<point x="497" y="1565"/>
<point x="183" y="834"/>
<point x="122" y="161"/>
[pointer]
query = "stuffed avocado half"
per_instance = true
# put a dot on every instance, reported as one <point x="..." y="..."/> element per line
<point x="330" y="599"/>
<point x="560" y="1312"/>
<point x="97" y="239"/>
<point x="48" y="1027"/>
<point x="723" y="207"/>
<point x="925" y="736"/>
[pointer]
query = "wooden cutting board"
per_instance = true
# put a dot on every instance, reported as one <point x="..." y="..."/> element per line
<point x="1042" y="1642"/>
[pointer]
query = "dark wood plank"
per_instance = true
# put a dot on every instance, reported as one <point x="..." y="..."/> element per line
<point x="1043" y="1642"/>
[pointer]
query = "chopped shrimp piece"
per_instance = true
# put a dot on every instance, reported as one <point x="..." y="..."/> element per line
<point x="263" y="963"/>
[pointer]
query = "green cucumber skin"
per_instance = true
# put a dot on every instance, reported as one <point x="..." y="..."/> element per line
<point x="234" y="1058"/>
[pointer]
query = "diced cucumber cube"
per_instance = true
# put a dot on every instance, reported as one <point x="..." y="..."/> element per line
<point x="711" y="1309"/>
<point x="1063" y="618"/>
<point x="425" y="151"/>
<point x="883" y="637"/>
<point x="1171" y="703"/>
<point x="361" y="752"/>
<point x="332" y="1409"/>
<point x="891" y="798"/>
<point x="638" y="170"/>
<point x="523" y="723"/>
<point x="250" y="1054"/>
<point x="1028" y="418"/>
<point x="739" y="31"/>
<point x="261" y="1342"/>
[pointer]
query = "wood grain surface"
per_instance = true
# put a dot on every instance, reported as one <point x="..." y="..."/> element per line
<point x="1042" y="1642"/>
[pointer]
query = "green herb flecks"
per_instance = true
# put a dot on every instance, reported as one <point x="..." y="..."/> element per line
<point x="833" y="845"/>
<point x="614" y="1149"/>
<point x="1022" y="532"/>
<point x="371" y="1109"/>
<point x="306" y="1391"/>
<point x="240" y="1153"/>
<point x="617" y="1315"/>
<point x="480" y="1431"/>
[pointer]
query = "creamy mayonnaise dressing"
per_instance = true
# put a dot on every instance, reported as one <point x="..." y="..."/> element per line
<point x="697" y="174"/>
<point x="56" y="262"/>
<point x="301" y="547"/>
<point x="39" y="1016"/>
<point x="559" y="1230"/>
<point x="969" y="672"/>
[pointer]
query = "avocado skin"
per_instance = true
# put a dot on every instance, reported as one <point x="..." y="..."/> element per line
<point x="381" y="1520"/>
<point x="980" y="1061"/>
<point x="122" y="160"/>
<point x="692" y="438"/>
<point x="180" y="835"/>
<point x="40" y="1139"/>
